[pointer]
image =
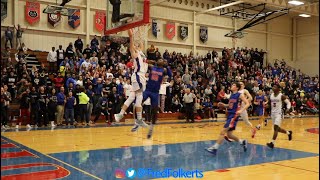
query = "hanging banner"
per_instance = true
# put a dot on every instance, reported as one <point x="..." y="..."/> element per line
<point x="4" y="9"/>
<point x="170" y="30"/>
<point x="183" y="32"/>
<point x="54" y="19"/>
<point x="32" y="12"/>
<point x="74" y="19"/>
<point x="100" y="20"/>
<point x="154" y="28"/>
<point x="203" y="34"/>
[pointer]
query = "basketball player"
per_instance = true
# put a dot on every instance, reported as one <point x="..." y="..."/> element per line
<point x="138" y="81"/>
<point x="233" y="115"/>
<point x="152" y="91"/>
<point x="276" y="99"/>
<point x="261" y="101"/>
<point x="244" y="114"/>
<point x="116" y="16"/>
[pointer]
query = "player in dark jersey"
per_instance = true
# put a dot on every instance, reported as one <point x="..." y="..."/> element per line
<point x="233" y="116"/>
<point x="260" y="101"/>
<point x="156" y="74"/>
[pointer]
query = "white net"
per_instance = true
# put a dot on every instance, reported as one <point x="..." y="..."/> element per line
<point x="140" y="34"/>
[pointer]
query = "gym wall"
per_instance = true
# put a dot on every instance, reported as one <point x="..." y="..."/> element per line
<point x="292" y="39"/>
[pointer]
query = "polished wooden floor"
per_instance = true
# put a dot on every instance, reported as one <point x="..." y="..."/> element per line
<point x="83" y="139"/>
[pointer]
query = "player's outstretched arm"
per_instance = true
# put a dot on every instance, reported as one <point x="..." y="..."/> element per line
<point x="286" y="100"/>
<point x="266" y="100"/>
<point x="246" y="92"/>
<point x="223" y="105"/>
<point x="132" y="47"/>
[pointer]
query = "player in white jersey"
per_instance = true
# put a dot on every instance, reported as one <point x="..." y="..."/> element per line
<point x="244" y="114"/>
<point x="138" y="81"/>
<point x="276" y="99"/>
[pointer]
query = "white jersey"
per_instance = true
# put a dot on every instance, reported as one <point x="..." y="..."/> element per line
<point x="276" y="103"/>
<point x="138" y="78"/>
<point x="139" y="65"/>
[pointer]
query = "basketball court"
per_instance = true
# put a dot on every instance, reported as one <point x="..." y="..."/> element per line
<point x="102" y="152"/>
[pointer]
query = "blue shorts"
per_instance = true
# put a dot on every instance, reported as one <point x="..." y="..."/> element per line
<point x="260" y="111"/>
<point x="232" y="121"/>
<point x="154" y="97"/>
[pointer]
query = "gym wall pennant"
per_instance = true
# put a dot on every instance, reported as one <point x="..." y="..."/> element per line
<point x="54" y="19"/>
<point x="170" y="30"/>
<point x="183" y="32"/>
<point x="32" y="12"/>
<point x="100" y="20"/>
<point x="203" y="34"/>
<point x="4" y="9"/>
<point x="74" y="19"/>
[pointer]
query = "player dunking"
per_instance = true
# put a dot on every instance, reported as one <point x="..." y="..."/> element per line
<point x="244" y="114"/>
<point x="261" y="101"/>
<point x="276" y="99"/>
<point x="138" y="81"/>
<point x="152" y="91"/>
<point x="233" y="115"/>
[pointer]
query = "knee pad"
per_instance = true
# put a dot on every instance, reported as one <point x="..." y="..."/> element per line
<point x="139" y="98"/>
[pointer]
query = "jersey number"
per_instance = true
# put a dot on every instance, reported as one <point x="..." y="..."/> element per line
<point x="230" y="105"/>
<point x="274" y="104"/>
<point x="154" y="77"/>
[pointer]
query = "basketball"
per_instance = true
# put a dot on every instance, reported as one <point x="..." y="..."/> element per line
<point x="282" y="84"/>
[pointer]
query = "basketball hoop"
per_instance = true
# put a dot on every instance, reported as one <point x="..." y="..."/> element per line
<point x="140" y="33"/>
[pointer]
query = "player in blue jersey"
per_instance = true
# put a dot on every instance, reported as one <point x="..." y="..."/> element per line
<point x="156" y="74"/>
<point x="234" y="110"/>
<point x="260" y="101"/>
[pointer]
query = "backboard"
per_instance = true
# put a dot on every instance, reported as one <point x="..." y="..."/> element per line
<point x="235" y="34"/>
<point x="133" y="13"/>
<point x="53" y="9"/>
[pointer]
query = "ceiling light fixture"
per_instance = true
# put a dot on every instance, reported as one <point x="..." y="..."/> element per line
<point x="304" y="15"/>
<point x="297" y="3"/>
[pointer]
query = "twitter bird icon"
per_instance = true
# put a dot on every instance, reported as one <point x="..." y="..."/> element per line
<point x="131" y="173"/>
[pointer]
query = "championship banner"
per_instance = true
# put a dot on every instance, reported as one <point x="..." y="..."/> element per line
<point x="170" y="30"/>
<point x="4" y="9"/>
<point x="154" y="28"/>
<point x="203" y="34"/>
<point x="32" y="12"/>
<point x="100" y="20"/>
<point x="74" y="19"/>
<point x="183" y="32"/>
<point x="54" y="19"/>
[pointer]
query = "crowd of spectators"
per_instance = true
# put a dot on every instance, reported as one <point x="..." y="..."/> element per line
<point x="95" y="79"/>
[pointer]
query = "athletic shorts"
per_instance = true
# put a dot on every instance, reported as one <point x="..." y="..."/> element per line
<point x="232" y="121"/>
<point x="138" y="82"/>
<point x="276" y="118"/>
<point x="154" y="97"/>
<point x="260" y="111"/>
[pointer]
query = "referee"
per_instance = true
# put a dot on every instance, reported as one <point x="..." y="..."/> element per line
<point x="188" y="99"/>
